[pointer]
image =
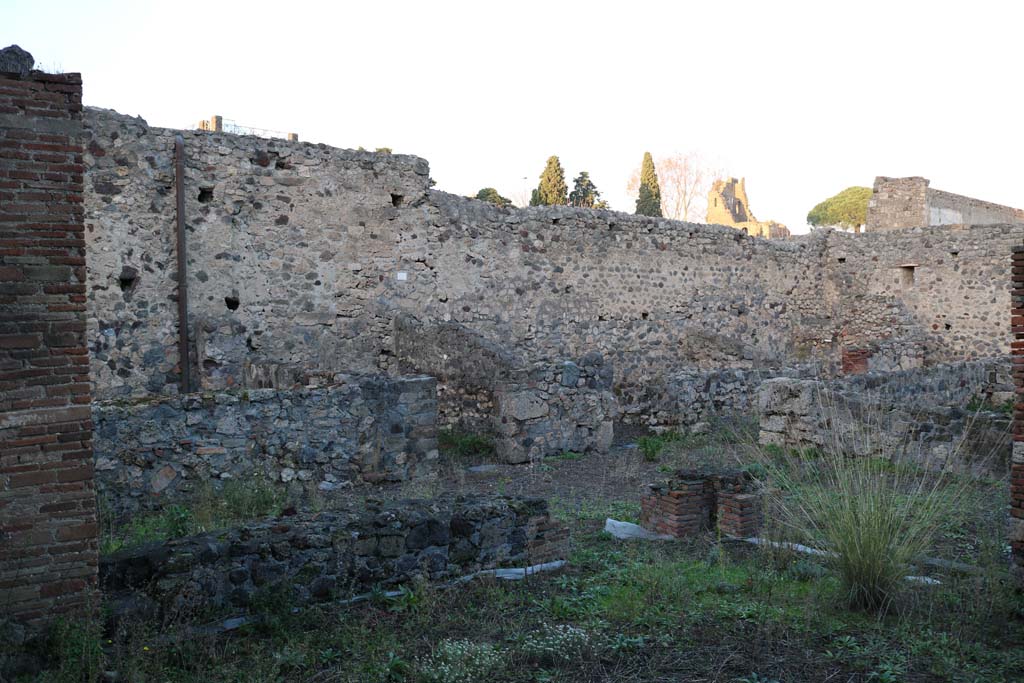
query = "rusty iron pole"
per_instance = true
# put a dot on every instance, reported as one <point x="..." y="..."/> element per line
<point x="179" y="186"/>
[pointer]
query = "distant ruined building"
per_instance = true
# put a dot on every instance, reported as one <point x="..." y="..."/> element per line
<point x="728" y="205"/>
<point x="898" y="203"/>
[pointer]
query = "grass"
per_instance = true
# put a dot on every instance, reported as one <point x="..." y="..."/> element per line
<point x="693" y="610"/>
<point x="983" y="404"/>
<point x="876" y="515"/>
<point x="237" y="501"/>
<point x="621" y="612"/>
<point x="464" y="445"/>
<point x="652" y="446"/>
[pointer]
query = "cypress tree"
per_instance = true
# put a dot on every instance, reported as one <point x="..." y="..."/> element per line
<point x="649" y="201"/>
<point x="584" y="192"/>
<point x="552" y="188"/>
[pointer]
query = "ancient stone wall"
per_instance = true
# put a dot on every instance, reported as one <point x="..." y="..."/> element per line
<point x="898" y="203"/>
<point x="154" y="451"/>
<point x="291" y="247"/>
<point x="693" y="399"/>
<point x="537" y="408"/>
<point x="301" y="256"/>
<point x="48" y="546"/>
<point x="946" y="208"/>
<point x="936" y="416"/>
<point x="303" y="259"/>
<point x="468" y="367"/>
<point x="331" y="554"/>
<point x="908" y="298"/>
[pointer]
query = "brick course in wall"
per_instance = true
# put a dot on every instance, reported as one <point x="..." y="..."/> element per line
<point x="1017" y="458"/>
<point x="48" y="527"/>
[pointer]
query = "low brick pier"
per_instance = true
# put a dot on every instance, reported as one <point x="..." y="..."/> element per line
<point x="691" y="502"/>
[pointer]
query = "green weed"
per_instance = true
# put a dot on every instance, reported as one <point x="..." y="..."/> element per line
<point x="454" y="442"/>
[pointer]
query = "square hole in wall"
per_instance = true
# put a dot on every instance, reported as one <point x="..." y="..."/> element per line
<point x="907" y="275"/>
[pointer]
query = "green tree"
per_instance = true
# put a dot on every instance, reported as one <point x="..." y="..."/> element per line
<point x="489" y="194"/>
<point x="585" y="193"/>
<point x="552" y="188"/>
<point x="848" y="209"/>
<point x="648" y="203"/>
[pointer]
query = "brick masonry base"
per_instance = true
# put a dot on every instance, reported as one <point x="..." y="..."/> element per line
<point x="692" y="503"/>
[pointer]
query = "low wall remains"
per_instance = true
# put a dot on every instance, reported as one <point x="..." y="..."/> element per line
<point x="692" y="399"/>
<point x="331" y="554"/>
<point x="564" y="406"/>
<point x="533" y="409"/>
<point x="934" y="416"/>
<point x="360" y="429"/>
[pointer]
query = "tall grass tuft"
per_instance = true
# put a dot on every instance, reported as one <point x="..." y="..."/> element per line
<point x="875" y="516"/>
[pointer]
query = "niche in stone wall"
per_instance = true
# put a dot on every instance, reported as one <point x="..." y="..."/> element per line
<point x="907" y="275"/>
<point x="128" y="280"/>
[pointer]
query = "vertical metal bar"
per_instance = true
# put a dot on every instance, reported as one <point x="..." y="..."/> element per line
<point x="179" y="186"/>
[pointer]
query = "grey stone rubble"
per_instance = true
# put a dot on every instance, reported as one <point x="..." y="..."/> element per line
<point x="920" y="414"/>
<point x="537" y="408"/>
<point x="562" y="407"/>
<point x="324" y="556"/>
<point x="360" y="429"/>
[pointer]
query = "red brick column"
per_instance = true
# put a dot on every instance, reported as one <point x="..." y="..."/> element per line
<point x="692" y="503"/>
<point x="680" y="509"/>
<point x="739" y="514"/>
<point x="1017" y="462"/>
<point x="48" y="529"/>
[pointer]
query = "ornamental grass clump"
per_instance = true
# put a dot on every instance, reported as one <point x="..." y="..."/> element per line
<point x="864" y="499"/>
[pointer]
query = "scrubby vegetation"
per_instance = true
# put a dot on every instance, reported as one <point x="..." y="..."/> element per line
<point x="705" y="609"/>
<point x="464" y="445"/>
<point x="620" y="612"/>
<point x="236" y="501"/>
<point x="875" y="518"/>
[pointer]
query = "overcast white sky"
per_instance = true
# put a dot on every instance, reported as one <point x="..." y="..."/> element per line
<point x="801" y="98"/>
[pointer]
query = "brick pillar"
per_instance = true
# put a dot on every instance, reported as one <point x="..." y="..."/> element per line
<point x="680" y="508"/>
<point x="739" y="514"/>
<point x="1017" y="461"/>
<point x="48" y="528"/>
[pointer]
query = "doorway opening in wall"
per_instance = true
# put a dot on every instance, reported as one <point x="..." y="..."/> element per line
<point x="907" y="275"/>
